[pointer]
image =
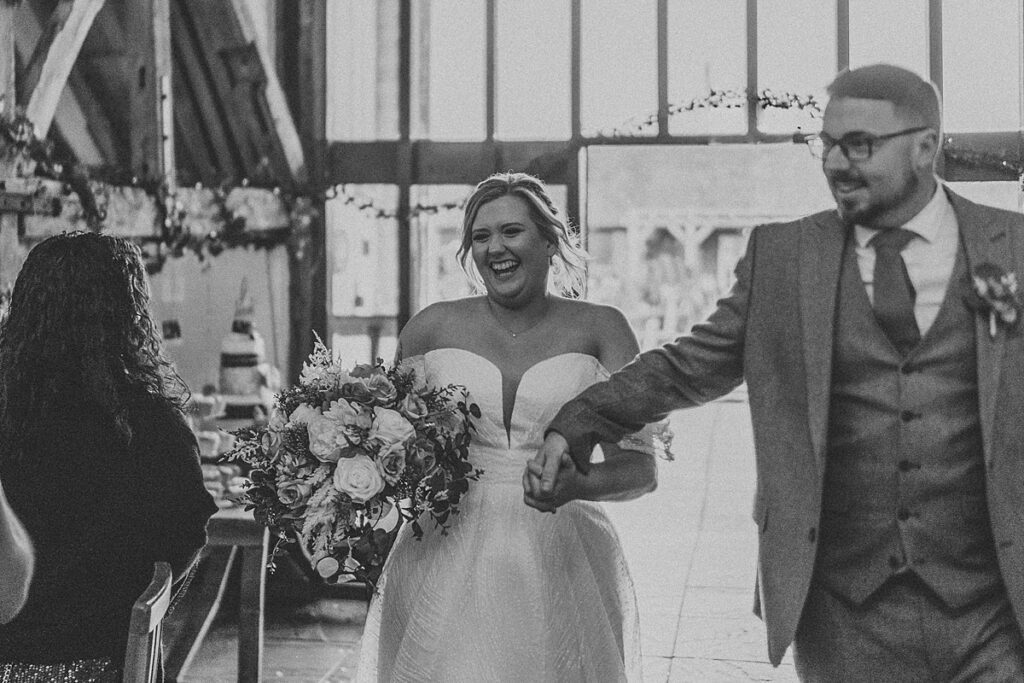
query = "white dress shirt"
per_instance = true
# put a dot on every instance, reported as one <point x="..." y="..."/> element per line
<point x="930" y="256"/>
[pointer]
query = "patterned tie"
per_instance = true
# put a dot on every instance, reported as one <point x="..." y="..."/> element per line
<point x="894" y="293"/>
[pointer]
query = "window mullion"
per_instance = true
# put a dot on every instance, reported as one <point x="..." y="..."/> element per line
<point x="752" y="132"/>
<point x="842" y="34"/>
<point x="662" y="34"/>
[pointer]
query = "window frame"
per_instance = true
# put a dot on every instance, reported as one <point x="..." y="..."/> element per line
<point x="406" y="162"/>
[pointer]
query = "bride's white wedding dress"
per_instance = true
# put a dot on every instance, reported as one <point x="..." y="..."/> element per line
<point x="510" y="594"/>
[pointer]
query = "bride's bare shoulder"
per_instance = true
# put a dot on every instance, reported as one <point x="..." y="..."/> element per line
<point x="600" y="329"/>
<point x="434" y="325"/>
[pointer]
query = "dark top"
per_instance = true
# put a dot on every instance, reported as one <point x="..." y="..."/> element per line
<point x="100" y="513"/>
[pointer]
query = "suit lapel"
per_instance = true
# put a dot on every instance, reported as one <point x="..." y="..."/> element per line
<point x="821" y="253"/>
<point x="985" y="239"/>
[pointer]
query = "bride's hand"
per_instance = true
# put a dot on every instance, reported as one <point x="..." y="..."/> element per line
<point x="566" y="485"/>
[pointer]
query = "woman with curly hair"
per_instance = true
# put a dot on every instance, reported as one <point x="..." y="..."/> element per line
<point x="95" y="455"/>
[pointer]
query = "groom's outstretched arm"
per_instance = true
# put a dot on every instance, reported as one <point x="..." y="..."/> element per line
<point x="696" y="368"/>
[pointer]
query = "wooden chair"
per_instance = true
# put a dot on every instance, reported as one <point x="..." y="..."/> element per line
<point x="142" y="658"/>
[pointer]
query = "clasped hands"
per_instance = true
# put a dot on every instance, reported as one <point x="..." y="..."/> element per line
<point x="551" y="479"/>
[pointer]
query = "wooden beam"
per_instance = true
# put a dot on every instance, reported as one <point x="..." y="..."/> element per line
<point x="281" y="116"/>
<point x="191" y="70"/>
<point x="191" y="140"/>
<point x="217" y="43"/>
<point x="150" y="116"/>
<point x="436" y="162"/>
<point x="80" y="117"/>
<point x="308" y="262"/>
<point x="43" y="39"/>
<point x="10" y="256"/>
<point x="7" y="60"/>
<point x="266" y="160"/>
<point x="61" y="56"/>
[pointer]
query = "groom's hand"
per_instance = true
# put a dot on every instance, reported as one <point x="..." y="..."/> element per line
<point x="566" y="486"/>
<point x="550" y="459"/>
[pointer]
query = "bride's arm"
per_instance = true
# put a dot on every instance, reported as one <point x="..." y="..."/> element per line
<point x="629" y="469"/>
<point x="624" y="475"/>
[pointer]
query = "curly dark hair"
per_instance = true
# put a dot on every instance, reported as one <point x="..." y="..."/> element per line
<point x="79" y="325"/>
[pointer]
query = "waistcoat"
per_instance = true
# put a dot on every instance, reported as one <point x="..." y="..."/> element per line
<point x="904" y="479"/>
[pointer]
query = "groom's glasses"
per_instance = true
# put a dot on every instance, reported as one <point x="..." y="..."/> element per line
<point x="855" y="146"/>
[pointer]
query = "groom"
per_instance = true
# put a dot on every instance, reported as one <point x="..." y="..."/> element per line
<point x="887" y="399"/>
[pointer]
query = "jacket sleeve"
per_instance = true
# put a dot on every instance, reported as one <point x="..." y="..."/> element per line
<point x="174" y="504"/>
<point x="695" y="368"/>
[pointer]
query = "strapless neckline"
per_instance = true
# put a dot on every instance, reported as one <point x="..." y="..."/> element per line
<point x="508" y="412"/>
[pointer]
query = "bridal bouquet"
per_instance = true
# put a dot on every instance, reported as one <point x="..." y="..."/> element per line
<point x="347" y="447"/>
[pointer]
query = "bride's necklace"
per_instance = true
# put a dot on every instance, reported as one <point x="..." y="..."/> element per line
<point x="514" y="335"/>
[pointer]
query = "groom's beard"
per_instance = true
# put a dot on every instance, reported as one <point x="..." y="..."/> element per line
<point x="855" y="211"/>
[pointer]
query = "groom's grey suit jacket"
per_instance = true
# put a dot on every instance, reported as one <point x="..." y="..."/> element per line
<point x="776" y="329"/>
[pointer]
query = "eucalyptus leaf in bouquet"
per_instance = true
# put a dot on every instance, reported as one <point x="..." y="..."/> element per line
<point x="348" y="447"/>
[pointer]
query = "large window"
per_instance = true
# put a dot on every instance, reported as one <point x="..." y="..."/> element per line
<point x="559" y="88"/>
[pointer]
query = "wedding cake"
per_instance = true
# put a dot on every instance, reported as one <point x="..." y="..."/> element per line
<point x="247" y="381"/>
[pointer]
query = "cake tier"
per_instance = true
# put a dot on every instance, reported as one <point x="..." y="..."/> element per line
<point x="243" y="346"/>
<point x="241" y="381"/>
<point x="248" y="407"/>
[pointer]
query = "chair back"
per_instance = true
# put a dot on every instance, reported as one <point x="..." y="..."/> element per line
<point x="142" y="658"/>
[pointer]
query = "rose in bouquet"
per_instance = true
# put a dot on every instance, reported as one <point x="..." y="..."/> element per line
<point x="346" y="448"/>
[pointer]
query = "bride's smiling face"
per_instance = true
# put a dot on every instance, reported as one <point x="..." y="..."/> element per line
<point x="510" y="253"/>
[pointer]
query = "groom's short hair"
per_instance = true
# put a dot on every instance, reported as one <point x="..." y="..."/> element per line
<point x="913" y="96"/>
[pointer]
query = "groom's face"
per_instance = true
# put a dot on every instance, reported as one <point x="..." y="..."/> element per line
<point x="881" y="190"/>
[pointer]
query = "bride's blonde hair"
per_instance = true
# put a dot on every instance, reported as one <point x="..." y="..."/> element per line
<point x="568" y="265"/>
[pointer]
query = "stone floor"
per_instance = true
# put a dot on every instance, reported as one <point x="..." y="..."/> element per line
<point x="692" y="550"/>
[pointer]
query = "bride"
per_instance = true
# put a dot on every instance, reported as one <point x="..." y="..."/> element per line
<point x="511" y="593"/>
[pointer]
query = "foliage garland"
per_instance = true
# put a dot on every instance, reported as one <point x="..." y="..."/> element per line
<point x="27" y="155"/>
<point x="30" y="155"/>
<point x="723" y="99"/>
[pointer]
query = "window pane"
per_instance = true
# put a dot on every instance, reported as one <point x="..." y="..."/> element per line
<point x="363" y="252"/>
<point x="437" y="274"/>
<point x="619" y="88"/>
<point x="362" y="69"/>
<point x="668" y="223"/>
<point x="707" y="50"/>
<point x="982" y="85"/>
<point x="448" y="60"/>
<point x="532" y="63"/>
<point x="796" y="48"/>
<point x="893" y="31"/>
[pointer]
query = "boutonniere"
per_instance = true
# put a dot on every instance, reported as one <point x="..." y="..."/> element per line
<point x="996" y="292"/>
